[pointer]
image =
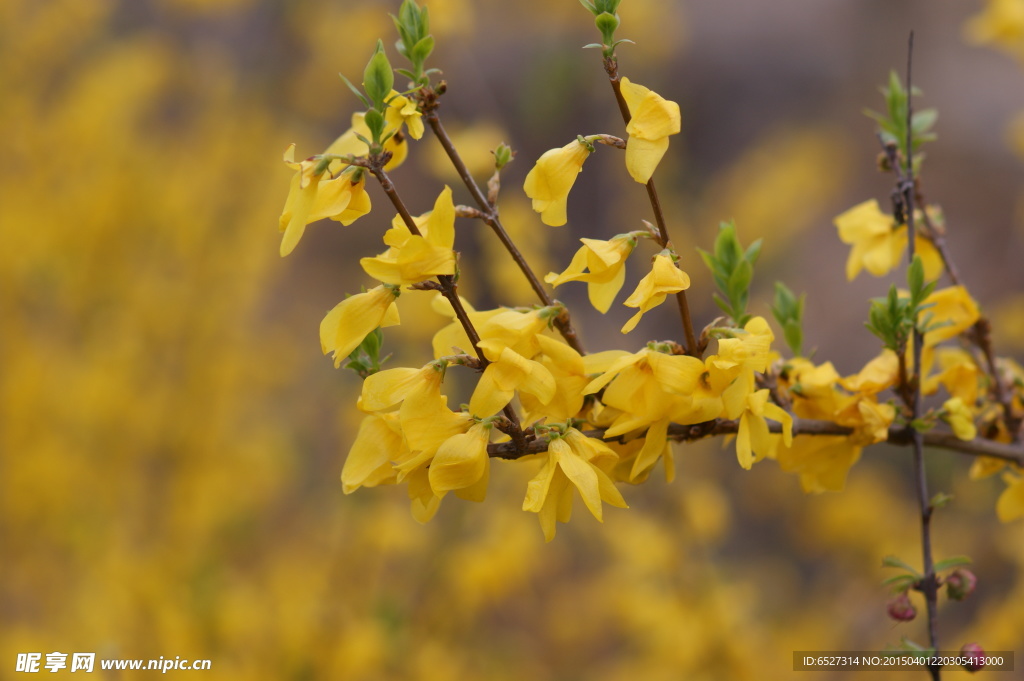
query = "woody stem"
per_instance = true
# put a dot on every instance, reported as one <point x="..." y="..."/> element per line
<point x="611" y="67"/>
<point x="449" y="289"/>
<point x="489" y="214"/>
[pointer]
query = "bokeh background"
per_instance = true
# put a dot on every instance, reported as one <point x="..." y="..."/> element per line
<point x="171" y="436"/>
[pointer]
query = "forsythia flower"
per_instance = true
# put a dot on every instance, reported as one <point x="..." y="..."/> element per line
<point x="652" y="119"/>
<point x="753" y="441"/>
<point x="550" y="180"/>
<point x="821" y="461"/>
<point x="570" y="463"/>
<point x="368" y="462"/>
<point x="663" y="279"/>
<point x="351" y="320"/>
<point x="316" y="195"/>
<point x="461" y="464"/>
<point x="413" y="258"/>
<point x="1001" y="23"/>
<point x="1010" y="505"/>
<point x="503" y="376"/>
<point x="403" y="111"/>
<point x="348" y="143"/>
<point x="878" y="244"/>
<point x="605" y="261"/>
<point x="960" y="418"/>
<point x="955" y="309"/>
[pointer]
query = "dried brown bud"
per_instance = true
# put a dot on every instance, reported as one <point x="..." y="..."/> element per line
<point x="960" y="584"/>
<point x="901" y="609"/>
<point x="884" y="165"/>
<point x="976" y="654"/>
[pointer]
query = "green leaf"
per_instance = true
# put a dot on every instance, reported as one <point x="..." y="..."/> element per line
<point x="354" y="89"/>
<point x="940" y="500"/>
<point x="955" y="561"/>
<point x="900" y="583"/>
<point x="894" y="562"/>
<point x="378" y="78"/>
<point x="422" y="49"/>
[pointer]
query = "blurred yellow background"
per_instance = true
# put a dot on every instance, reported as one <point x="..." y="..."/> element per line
<point x="171" y="436"/>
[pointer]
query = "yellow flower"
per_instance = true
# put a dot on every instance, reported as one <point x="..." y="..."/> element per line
<point x="570" y="463"/>
<point x="753" y="441"/>
<point x="1010" y="505"/>
<point x="413" y="258"/>
<point x="502" y="377"/>
<point x="549" y="181"/>
<point x="880" y="373"/>
<point x="1001" y="23"/>
<point x="403" y="111"/>
<point x="652" y="119"/>
<point x="368" y="462"/>
<point x="567" y="368"/>
<point x="345" y="326"/>
<point x="960" y="419"/>
<point x="461" y="464"/>
<point x="348" y="143"/>
<point x="663" y="279"/>
<point x="821" y="461"/>
<point x="605" y="261"/>
<point x="878" y="244"/>
<point x="316" y="195"/>
<point x="955" y="309"/>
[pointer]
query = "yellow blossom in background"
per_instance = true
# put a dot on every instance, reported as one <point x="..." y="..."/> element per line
<point x="602" y="265"/>
<point x="549" y="181"/>
<point x="663" y="279"/>
<point x="878" y="244"/>
<point x="1001" y="24"/>
<point x="1010" y="505"/>
<point x="351" y="320"/>
<point x="821" y="461"/>
<point x="652" y="119"/>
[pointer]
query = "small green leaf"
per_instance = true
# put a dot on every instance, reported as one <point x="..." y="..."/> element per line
<point x="894" y="562"/>
<point x="378" y="78"/>
<point x="940" y="500"/>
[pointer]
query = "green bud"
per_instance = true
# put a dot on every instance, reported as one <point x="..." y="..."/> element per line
<point x="375" y="122"/>
<point x="789" y="311"/>
<point x="607" y="23"/>
<point x="502" y="156"/>
<point x="609" y="6"/>
<point x="378" y="78"/>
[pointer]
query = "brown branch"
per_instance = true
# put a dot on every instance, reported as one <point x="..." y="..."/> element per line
<point x="898" y="435"/>
<point x="611" y="67"/>
<point x="489" y="214"/>
<point x="929" y="585"/>
<point x="449" y="289"/>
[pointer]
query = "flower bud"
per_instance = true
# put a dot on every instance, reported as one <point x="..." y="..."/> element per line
<point x="960" y="584"/>
<point x="901" y="609"/>
<point x="976" y="654"/>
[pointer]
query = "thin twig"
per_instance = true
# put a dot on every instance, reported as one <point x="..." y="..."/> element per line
<point x="449" y="289"/>
<point x="489" y="214"/>
<point x="929" y="583"/>
<point x="611" y="67"/>
<point x="898" y="435"/>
